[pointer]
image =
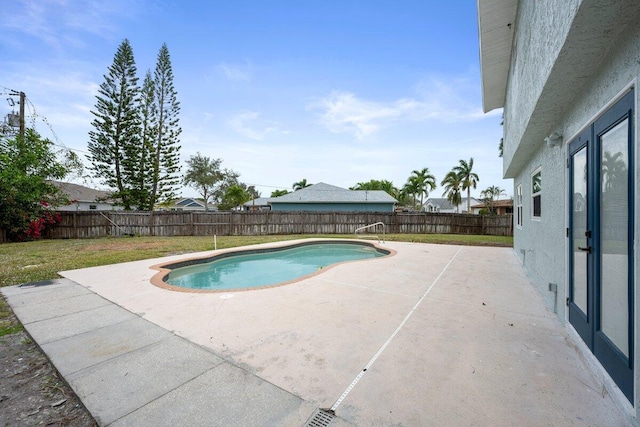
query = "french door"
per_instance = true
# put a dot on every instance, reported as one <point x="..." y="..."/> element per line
<point x="601" y="225"/>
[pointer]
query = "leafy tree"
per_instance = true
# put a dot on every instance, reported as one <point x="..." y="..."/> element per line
<point x="204" y="175"/>
<point x="468" y="178"/>
<point x="26" y="193"/>
<point x="251" y="191"/>
<point x="375" y="184"/>
<point x="278" y="193"/>
<point x="371" y="185"/>
<point x="166" y="150"/>
<point x="301" y="184"/>
<point x="490" y="195"/>
<point x="114" y="142"/>
<point x="229" y="179"/>
<point x="452" y="184"/>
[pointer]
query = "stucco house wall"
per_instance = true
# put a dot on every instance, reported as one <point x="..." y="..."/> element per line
<point x="540" y="31"/>
<point x="540" y="243"/>
<point x="570" y="60"/>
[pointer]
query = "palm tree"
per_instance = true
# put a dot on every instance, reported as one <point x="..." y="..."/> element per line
<point x="278" y="193"/>
<point x="490" y="195"/>
<point x="301" y="184"/>
<point x="452" y="184"/>
<point x="468" y="178"/>
<point x="614" y="169"/>
<point x="424" y="182"/>
<point x="235" y="196"/>
<point x="412" y="188"/>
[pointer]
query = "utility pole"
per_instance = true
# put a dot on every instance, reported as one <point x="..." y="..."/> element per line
<point x="22" y="101"/>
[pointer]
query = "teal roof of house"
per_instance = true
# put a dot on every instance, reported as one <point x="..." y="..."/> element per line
<point x="325" y="193"/>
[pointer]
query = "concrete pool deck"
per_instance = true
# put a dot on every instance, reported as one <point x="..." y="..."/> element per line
<point x="435" y="335"/>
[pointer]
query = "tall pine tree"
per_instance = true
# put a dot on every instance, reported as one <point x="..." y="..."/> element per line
<point x="114" y="142"/>
<point x="166" y="151"/>
<point x="143" y="179"/>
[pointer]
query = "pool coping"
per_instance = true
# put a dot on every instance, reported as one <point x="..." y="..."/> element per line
<point x="163" y="269"/>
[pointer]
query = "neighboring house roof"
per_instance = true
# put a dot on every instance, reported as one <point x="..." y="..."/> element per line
<point x="506" y="203"/>
<point x="325" y="193"/>
<point x="260" y="201"/>
<point x="444" y="204"/>
<point x="496" y="21"/>
<point x="82" y="193"/>
<point x="438" y="203"/>
<point x="191" y="203"/>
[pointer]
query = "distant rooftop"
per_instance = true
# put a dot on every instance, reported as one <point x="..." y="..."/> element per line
<point x="80" y="192"/>
<point x="325" y="193"/>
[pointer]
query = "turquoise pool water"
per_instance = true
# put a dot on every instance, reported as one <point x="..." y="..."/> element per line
<point x="267" y="267"/>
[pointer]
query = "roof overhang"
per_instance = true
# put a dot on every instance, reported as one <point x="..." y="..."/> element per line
<point x="496" y="27"/>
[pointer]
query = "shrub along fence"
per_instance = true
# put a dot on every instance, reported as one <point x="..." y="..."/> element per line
<point x="78" y="225"/>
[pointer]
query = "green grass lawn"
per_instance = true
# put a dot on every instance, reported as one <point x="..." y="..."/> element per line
<point x="42" y="259"/>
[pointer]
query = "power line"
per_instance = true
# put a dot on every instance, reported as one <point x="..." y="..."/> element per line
<point x="34" y="115"/>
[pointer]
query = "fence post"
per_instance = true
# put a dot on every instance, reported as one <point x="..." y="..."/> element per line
<point x="193" y="226"/>
<point x="75" y="225"/>
<point x="150" y="223"/>
<point x="511" y="225"/>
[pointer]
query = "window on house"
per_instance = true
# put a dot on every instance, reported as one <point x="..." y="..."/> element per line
<point x="93" y="207"/>
<point x="536" y="194"/>
<point x="519" y="205"/>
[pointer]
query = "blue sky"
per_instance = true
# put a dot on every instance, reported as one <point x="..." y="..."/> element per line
<point x="334" y="91"/>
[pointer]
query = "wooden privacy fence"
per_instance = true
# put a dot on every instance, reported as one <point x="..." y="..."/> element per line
<point x="78" y="225"/>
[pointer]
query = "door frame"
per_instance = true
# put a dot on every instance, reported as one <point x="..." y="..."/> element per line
<point x="611" y="359"/>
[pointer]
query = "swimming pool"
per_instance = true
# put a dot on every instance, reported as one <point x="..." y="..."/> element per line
<point x="257" y="268"/>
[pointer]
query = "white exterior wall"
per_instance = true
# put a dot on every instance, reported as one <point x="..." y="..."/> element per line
<point x="86" y="206"/>
<point x="539" y="102"/>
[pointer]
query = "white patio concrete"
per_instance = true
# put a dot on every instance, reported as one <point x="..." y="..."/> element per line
<point x="449" y="335"/>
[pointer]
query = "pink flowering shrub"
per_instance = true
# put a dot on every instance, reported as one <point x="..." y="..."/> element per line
<point x="36" y="227"/>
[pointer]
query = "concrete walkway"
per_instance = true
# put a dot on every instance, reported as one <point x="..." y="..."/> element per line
<point x="436" y="335"/>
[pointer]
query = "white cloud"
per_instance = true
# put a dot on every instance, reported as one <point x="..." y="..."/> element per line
<point x="62" y="23"/>
<point x="435" y="99"/>
<point x="236" y="72"/>
<point x="253" y="126"/>
<point x="344" y="112"/>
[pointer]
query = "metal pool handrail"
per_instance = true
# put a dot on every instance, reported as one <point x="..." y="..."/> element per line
<point x="373" y="225"/>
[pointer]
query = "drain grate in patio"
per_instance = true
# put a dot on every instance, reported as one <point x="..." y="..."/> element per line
<point x="320" y="418"/>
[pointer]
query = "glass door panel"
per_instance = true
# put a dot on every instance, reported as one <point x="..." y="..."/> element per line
<point x="614" y="227"/>
<point x="579" y="230"/>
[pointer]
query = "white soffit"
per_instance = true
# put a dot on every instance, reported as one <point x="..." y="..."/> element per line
<point x="496" y="26"/>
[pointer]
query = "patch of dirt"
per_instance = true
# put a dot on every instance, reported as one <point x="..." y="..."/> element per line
<point x="31" y="392"/>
